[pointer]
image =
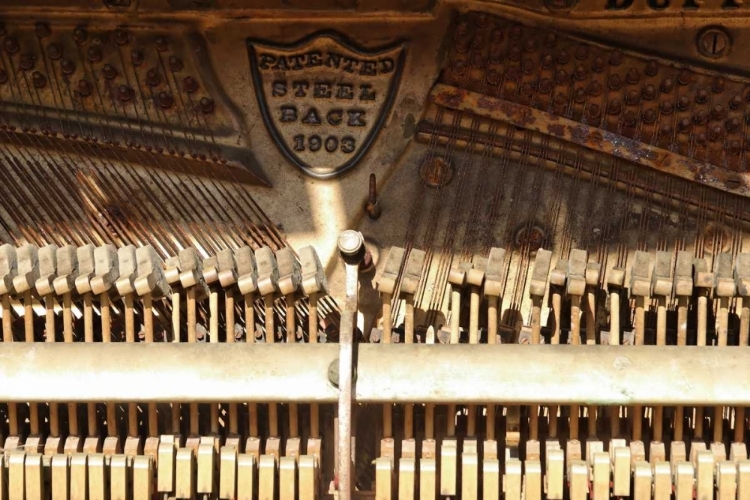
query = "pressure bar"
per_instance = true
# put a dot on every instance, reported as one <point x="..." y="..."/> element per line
<point x="396" y="373"/>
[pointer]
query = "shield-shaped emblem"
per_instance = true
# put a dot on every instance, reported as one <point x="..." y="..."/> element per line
<point x="323" y="99"/>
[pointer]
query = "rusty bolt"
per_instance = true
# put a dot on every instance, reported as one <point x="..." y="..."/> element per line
<point x="80" y="35"/>
<point x="561" y="76"/>
<point x="372" y="207"/>
<point x="701" y="116"/>
<point x="496" y="36"/>
<point x="162" y="45"/>
<point x="633" y="76"/>
<point x="459" y="66"/>
<point x="733" y="124"/>
<point x="462" y="26"/>
<point x="648" y="92"/>
<point x="493" y="77"/>
<point x="94" y="54"/>
<point x="593" y="111"/>
<point x="39" y="80"/>
<point x="550" y="40"/>
<point x="124" y="93"/>
<point x="683" y="103"/>
<point x="477" y="59"/>
<point x="684" y="77"/>
<point x="27" y="61"/>
<point x="190" y="84"/>
<point x="516" y="32"/>
<point x="515" y="52"/>
<point x="496" y="54"/>
<point x="667" y="85"/>
<point x="512" y="74"/>
<point x="530" y="45"/>
<point x="718" y="112"/>
<point x="109" y="72"/>
<point x="122" y="37"/>
<point x="477" y="42"/>
<point x="84" y="88"/>
<point x="718" y="85"/>
<point x="11" y="45"/>
<point x="632" y="97"/>
<point x="152" y="77"/>
<point x="562" y="57"/>
<point x="701" y="96"/>
<point x="436" y="172"/>
<point x="715" y="133"/>
<point x="3" y="76"/>
<point x="595" y="88"/>
<point x="67" y="66"/>
<point x="597" y="64"/>
<point x="547" y="61"/>
<point x="579" y="95"/>
<point x="532" y="236"/>
<point x="614" y="82"/>
<point x="481" y="20"/>
<point x="649" y="116"/>
<point x="175" y="63"/>
<point x="136" y="57"/>
<point x="735" y="102"/>
<point x="54" y="51"/>
<point x="652" y="68"/>
<point x="614" y="107"/>
<point x="666" y="107"/>
<point x="42" y="29"/>
<point x="207" y="105"/>
<point x="561" y="101"/>
<point x="684" y="125"/>
<point x="545" y="86"/>
<point x="580" y="72"/>
<point x="630" y="118"/>
<point x="665" y="130"/>
<point x="527" y="66"/>
<point x="615" y="58"/>
<point x="527" y="90"/>
<point x="164" y="99"/>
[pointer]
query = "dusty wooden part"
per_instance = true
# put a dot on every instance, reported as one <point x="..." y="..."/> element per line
<point x="148" y="326"/>
<point x="575" y="332"/>
<point x="230" y="338"/>
<point x="252" y="408"/>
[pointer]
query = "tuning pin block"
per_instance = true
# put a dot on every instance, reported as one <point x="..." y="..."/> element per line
<point x="150" y="275"/>
<point x="8" y="268"/>
<point x="106" y="269"/>
<point x="128" y="267"/>
<point x="67" y="270"/>
<point x="28" y="269"/>
<point x="47" y="256"/>
<point x="268" y="271"/>
<point x="312" y="273"/>
<point x="247" y="271"/>
<point x="289" y="271"/>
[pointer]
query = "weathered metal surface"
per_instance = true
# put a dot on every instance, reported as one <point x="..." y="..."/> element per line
<point x="601" y="375"/>
<point x="590" y="137"/>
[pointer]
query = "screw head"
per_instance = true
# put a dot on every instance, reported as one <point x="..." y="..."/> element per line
<point x="175" y="63"/>
<point x="207" y="105"/>
<point x="350" y="242"/>
<point x="80" y="35"/>
<point x="136" y="57"/>
<point x="190" y="84"/>
<point x="714" y="42"/>
<point x="54" y="51"/>
<point x="42" y="29"/>
<point x="67" y="66"/>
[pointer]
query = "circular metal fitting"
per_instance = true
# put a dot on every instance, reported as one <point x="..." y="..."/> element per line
<point x="436" y="172"/>
<point x="350" y="242"/>
<point x="714" y="42"/>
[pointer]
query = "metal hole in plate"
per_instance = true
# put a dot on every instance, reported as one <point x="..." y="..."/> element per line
<point x="436" y="172"/>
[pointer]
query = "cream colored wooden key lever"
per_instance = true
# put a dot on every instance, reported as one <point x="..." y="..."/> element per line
<point x="661" y="288"/>
<point x="386" y="284"/>
<point x="742" y="282"/>
<point x="683" y="292"/>
<point x="640" y="288"/>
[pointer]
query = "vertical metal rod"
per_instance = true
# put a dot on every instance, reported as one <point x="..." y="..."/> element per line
<point x="312" y="329"/>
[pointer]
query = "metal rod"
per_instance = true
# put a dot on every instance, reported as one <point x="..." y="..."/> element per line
<point x="555" y="374"/>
